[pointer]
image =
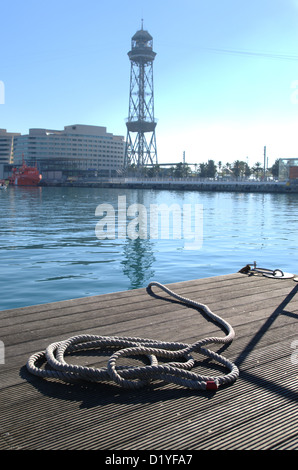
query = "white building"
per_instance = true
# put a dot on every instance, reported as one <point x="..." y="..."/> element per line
<point x="6" y="149"/>
<point x="6" y="146"/>
<point x="77" y="151"/>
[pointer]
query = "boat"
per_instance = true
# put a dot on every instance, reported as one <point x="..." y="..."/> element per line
<point x="3" y="184"/>
<point x="25" y="176"/>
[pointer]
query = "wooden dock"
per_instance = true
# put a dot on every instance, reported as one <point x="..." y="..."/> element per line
<point x="257" y="412"/>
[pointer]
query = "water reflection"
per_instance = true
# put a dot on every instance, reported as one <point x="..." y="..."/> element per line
<point x="138" y="259"/>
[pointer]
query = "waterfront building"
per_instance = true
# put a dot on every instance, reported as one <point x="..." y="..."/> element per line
<point x="6" y="150"/>
<point x="6" y="146"/>
<point x="288" y="169"/>
<point x="78" y="151"/>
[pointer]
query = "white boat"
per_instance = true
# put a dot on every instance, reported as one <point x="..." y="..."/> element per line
<point x="3" y="184"/>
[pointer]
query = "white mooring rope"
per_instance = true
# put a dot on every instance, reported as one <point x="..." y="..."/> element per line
<point x="178" y="372"/>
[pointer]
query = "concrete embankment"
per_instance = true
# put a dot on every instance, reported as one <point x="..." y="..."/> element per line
<point x="125" y="183"/>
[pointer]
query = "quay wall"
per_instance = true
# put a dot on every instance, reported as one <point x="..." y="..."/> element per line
<point x="177" y="185"/>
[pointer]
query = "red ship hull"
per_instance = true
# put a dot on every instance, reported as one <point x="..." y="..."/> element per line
<point x="25" y="176"/>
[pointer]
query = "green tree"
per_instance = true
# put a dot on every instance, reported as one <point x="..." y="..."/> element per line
<point x="211" y="169"/>
<point x="247" y="171"/>
<point x="131" y="169"/>
<point x="153" y="171"/>
<point x="181" y="170"/>
<point x="207" y="170"/>
<point x="257" y="169"/>
<point x="275" y="169"/>
<point x="202" y="170"/>
<point x="241" y="169"/>
<point x="238" y="168"/>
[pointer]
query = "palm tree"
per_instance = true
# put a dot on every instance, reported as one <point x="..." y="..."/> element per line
<point x="257" y="169"/>
<point x="236" y="169"/>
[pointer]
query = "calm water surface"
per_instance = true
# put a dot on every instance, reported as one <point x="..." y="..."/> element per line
<point x="49" y="250"/>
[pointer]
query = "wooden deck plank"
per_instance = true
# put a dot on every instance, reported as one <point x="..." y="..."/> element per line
<point x="118" y="313"/>
<point x="256" y="412"/>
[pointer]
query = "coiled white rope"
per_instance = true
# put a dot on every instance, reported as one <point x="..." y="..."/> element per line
<point x="177" y="371"/>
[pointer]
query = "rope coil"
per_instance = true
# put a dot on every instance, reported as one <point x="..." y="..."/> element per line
<point x="176" y="371"/>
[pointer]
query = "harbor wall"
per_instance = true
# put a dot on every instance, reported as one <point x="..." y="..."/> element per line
<point x="177" y="185"/>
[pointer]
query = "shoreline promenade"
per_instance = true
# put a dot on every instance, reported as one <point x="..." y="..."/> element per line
<point x="178" y="184"/>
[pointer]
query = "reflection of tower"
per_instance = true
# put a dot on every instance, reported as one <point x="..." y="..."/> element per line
<point x="141" y="140"/>
<point x="137" y="263"/>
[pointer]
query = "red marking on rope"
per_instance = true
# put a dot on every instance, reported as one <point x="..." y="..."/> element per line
<point x="211" y="385"/>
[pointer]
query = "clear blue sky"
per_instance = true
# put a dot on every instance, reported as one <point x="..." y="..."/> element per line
<point x="222" y="75"/>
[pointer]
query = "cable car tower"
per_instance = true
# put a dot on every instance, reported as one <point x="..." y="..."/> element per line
<point x="141" y="141"/>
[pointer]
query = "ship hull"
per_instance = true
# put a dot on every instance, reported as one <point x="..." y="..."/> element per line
<point x="25" y="181"/>
<point x="25" y="176"/>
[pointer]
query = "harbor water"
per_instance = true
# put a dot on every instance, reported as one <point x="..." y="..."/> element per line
<point x="51" y="247"/>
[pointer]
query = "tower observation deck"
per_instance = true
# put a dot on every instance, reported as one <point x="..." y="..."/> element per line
<point x="141" y="140"/>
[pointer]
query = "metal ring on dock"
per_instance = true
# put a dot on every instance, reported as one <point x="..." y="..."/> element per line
<point x="272" y="273"/>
